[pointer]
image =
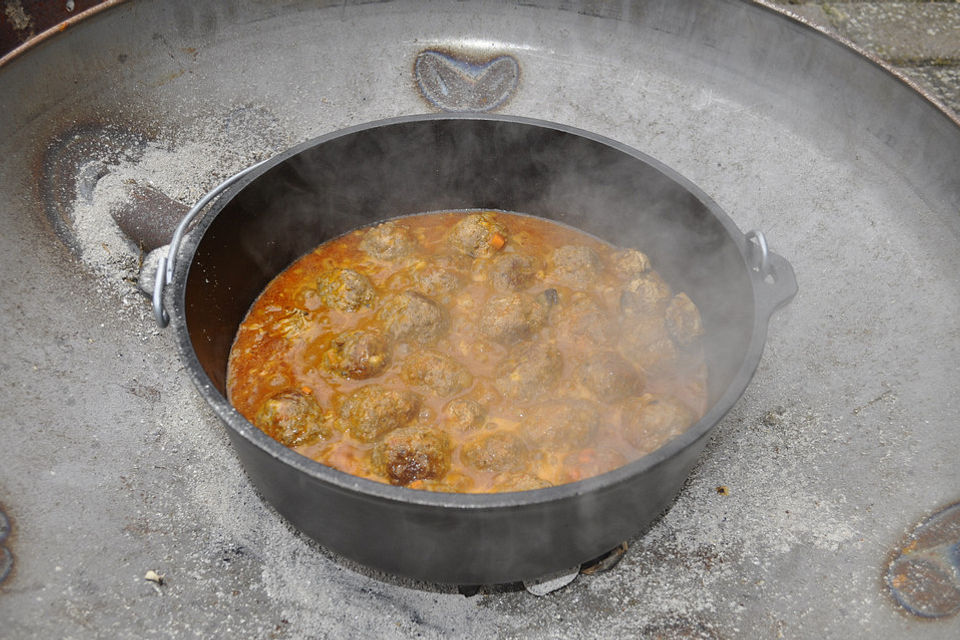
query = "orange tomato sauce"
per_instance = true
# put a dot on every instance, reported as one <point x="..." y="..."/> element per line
<point x="282" y="345"/>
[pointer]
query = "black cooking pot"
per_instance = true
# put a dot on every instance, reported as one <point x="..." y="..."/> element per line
<point x="323" y="188"/>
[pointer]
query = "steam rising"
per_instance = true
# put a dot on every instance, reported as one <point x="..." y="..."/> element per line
<point x="354" y="179"/>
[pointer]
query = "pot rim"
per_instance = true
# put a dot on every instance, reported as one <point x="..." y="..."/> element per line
<point x="473" y="501"/>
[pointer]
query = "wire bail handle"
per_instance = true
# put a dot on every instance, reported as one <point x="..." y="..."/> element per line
<point x="167" y="264"/>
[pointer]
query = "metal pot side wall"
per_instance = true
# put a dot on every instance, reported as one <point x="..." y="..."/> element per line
<point x="446" y="544"/>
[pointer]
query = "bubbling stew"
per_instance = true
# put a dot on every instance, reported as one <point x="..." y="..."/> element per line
<point x="478" y="351"/>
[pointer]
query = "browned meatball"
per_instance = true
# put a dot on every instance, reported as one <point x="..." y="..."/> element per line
<point x="630" y="263"/>
<point x="561" y="425"/>
<point x="529" y="372"/>
<point x="512" y="317"/>
<point x="464" y="414"/>
<point x="646" y="295"/>
<point x="576" y="264"/>
<point x="683" y="320"/>
<point x="548" y="298"/>
<point x="437" y="279"/>
<point x="412" y="453"/>
<point x="373" y="410"/>
<point x="292" y="418"/>
<point x="412" y="317"/>
<point x="345" y="289"/>
<point x="657" y="357"/>
<point x="514" y="271"/>
<point x="388" y="241"/>
<point x="478" y="235"/>
<point x="496" y="451"/>
<point x="357" y="354"/>
<point x="436" y="371"/>
<point x="610" y="377"/>
<point x="646" y="343"/>
<point x="518" y="482"/>
<point x="650" y="420"/>
<point x="582" y="319"/>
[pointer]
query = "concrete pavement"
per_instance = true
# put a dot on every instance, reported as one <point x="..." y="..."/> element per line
<point x="920" y="39"/>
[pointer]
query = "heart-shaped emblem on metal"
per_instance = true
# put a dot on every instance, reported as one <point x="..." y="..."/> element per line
<point x="451" y="83"/>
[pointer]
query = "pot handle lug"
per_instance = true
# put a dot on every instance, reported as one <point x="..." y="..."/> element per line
<point x="774" y="281"/>
<point x="167" y="264"/>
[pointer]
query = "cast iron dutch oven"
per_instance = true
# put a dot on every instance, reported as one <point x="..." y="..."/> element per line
<point x="284" y="207"/>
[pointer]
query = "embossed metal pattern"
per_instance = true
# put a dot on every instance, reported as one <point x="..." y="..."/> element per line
<point x="924" y="575"/>
<point x="457" y="83"/>
<point x="6" y="557"/>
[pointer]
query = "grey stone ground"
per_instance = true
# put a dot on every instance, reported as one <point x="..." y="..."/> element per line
<point x="920" y="39"/>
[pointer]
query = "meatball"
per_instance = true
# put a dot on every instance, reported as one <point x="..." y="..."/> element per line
<point x="412" y="317"/>
<point x="512" y="317"/>
<point x="437" y="280"/>
<point x="464" y="414"/>
<point x="562" y="425"/>
<point x="496" y="451"/>
<point x="576" y="264"/>
<point x="656" y="357"/>
<point x="652" y="419"/>
<point x="436" y="371"/>
<point x="388" y="241"/>
<point x="645" y="295"/>
<point x="647" y="344"/>
<point x="478" y="235"/>
<point x="529" y="372"/>
<point x="345" y="289"/>
<point x="412" y="453"/>
<point x="683" y="320"/>
<point x="518" y="482"/>
<point x="371" y="411"/>
<point x="643" y="330"/>
<point x="514" y="271"/>
<point x="357" y="354"/>
<point x="610" y="378"/>
<point x="630" y="263"/>
<point x="292" y="418"/>
<point x="582" y="319"/>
